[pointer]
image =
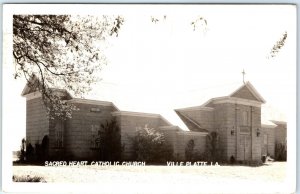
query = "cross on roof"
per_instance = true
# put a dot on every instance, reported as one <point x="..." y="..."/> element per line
<point x="243" y="72"/>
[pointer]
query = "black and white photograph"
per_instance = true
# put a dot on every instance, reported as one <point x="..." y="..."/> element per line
<point x="149" y="98"/>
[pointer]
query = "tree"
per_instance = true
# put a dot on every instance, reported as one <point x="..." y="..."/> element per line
<point x="189" y="150"/>
<point x="213" y="151"/>
<point x="279" y="44"/>
<point x="22" y="154"/>
<point x="149" y="145"/>
<point x="280" y="152"/>
<point x="62" y="51"/>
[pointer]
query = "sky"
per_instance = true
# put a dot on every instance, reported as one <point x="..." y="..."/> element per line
<point x="158" y="67"/>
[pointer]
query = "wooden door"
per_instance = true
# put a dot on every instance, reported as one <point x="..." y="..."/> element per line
<point x="245" y="146"/>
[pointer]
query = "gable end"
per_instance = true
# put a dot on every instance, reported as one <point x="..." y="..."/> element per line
<point x="247" y="91"/>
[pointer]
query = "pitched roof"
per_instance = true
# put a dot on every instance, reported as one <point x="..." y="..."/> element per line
<point x="31" y="86"/>
<point x="190" y="123"/>
<point x="248" y="87"/>
<point x="245" y="92"/>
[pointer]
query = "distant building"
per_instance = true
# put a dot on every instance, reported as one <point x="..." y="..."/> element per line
<point x="236" y="118"/>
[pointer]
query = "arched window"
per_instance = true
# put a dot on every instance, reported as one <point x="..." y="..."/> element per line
<point x="59" y="128"/>
<point x="95" y="136"/>
<point x="245" y="118"/>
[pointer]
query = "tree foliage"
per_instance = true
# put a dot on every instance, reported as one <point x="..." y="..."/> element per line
<point x="22" y="154"/>
<point x="199" y="22"/>
<point x="149" y="145"/>
<point x="189" y="150"/>
<point x="280" y="152"/>
<point x="213" y="150"/>
<point x="279" y="44"/>
<point x="62" y="51"/>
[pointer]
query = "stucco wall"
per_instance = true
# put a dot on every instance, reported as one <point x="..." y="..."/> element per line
<point x="129" y="124"/>
<point x="227" y="118"/>
<point x="77" y="134"/>
<point x="256" y="140"/>
<point x="269" y="148"/>
<point x="182" y="139"/>
<point x="281" y="133"/>
<point x="37" y="122"/>
<point x="223" y="117"/>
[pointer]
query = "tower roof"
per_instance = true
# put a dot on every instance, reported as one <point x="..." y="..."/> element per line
<point x="248" y="91"/>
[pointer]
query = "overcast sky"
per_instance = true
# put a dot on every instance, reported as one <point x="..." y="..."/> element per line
<point x="157" y="67"/>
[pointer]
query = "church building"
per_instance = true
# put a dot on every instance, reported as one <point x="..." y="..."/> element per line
<point x="236" y="118"/>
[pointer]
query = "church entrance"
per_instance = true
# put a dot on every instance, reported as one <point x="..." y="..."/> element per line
<point x="245" y="146"/>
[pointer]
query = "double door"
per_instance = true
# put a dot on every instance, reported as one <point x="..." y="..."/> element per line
<point x="245" y="147"/>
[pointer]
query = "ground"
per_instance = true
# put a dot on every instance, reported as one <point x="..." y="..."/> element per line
<point x="271" y="176"/>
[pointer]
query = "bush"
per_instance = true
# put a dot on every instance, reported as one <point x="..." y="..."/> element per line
<point x="29" y="152"/>
<point x="191" y="154"/>
<point x="280" y="152"/>
<point x="28" y="178"/>
<point x="232" y="160"/>
<point x="110" y="144"/>
<point x="22" y="153"/>
<point x="150" y="146"/>
<point x="45" y="148"/>
<point x="213" y="152"/>
<point x="264" y="159"/>
<point x="189" y="150"/>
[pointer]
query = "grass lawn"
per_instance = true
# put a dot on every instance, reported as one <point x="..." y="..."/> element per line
<point x="271" y="175"/>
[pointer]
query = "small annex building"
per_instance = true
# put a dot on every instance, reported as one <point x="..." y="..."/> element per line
<point x="236" y="118"/>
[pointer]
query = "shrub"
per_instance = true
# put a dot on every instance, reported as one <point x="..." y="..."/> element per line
<point x="28" y="178"/>
<point x="191" y="154"/>
<point x="110" y="144"/>
<point x="45" y="148"/>
<point x="280" y="152"/>
<point x="213" y="152"/>
<point x="189" y="150"/>
<point x="29" y="152"/>
<point x="264" y="158"/>
<point x="22" y="153"/>
<point x="232" y="160"/>
<point x="39" y="153"/>
<point x="150" y="146"/>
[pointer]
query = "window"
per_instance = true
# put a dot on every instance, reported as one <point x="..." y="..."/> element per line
<point x="95" y="136"/>
<point x="59" y="127"/>
<point x="96" y="110"/>
<point x="245" y="118"/>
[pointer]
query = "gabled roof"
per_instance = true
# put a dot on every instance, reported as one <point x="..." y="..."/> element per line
<point x="245" y="94"/>
<point x="34" y="82"/>
<point x="247" y="87"/>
